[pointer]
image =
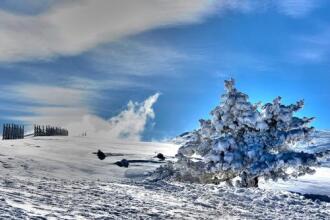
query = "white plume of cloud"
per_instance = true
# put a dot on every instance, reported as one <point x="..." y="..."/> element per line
<point x="72" y="27"/>
<point x="128" y="124"/>
<point x="132" y="121"/>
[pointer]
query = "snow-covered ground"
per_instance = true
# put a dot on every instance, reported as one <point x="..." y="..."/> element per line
<point x="318" y="183"/>
<point x="61" y="178"/>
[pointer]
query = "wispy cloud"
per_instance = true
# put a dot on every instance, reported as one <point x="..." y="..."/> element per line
<point x="137" y="58"/>
<point x="46" y="95"/>
<point x="313" y="48"/>
<point x="310" y="55"/>
<point x="29" y="7"/>
<point x="71" y="27"/>
<point x="107" y="82"/>
<point x="297" y="8"/>
<point x="47" y="104"/>
<point x="292" y="8"/>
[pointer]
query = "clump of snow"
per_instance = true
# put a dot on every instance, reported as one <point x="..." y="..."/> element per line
<point x="244" y="141"/>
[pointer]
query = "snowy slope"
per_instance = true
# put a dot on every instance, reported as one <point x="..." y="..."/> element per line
<point x="318" y="183"/>
<point x="60" y="178"/>
<point x="72" y="157"/>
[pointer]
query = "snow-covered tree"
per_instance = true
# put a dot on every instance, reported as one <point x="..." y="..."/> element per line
<point x="244" y="141"/>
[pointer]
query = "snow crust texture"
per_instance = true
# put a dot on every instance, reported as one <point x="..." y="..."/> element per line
<point x="49" y="198"/>
<point x="60" y="178"/>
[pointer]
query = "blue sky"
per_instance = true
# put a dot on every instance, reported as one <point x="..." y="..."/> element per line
<point x="79" y="64"/>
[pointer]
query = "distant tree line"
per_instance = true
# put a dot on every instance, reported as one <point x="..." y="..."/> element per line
<point x="49" y="131"/>
<point x="12" y="131"/>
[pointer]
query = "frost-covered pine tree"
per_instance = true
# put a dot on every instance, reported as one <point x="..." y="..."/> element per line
<point x="244" y="142"/>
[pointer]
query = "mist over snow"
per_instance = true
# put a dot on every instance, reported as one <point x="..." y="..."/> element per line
<point x="128" y="124"/>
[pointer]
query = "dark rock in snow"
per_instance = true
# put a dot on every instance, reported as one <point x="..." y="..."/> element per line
<point x="122" y="163"/>
<point x="101" y="155"/>
<point x="160" y="156"/>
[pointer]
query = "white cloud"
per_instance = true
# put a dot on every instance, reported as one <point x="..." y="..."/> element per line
<point x="105" y="83"/>
<point x="54" y="115"/>
<point x="27" y="6"/>
<point x="297" y="8"/>
<point x="68" y="108"/>
<point x="44" y="104"/>
<point x="309" y="55"/>
<point x="131" y="122"/>
<point x="71" y="27"/>
<point x="138" y="58"/>
<point x="313" y="48"/>
<point x="292" y="8"/>
<point x="47" y="95"/>
<point x="128" y="124"/>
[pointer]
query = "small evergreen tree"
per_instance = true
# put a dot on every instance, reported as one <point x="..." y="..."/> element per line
<point x="244" y="142"/>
